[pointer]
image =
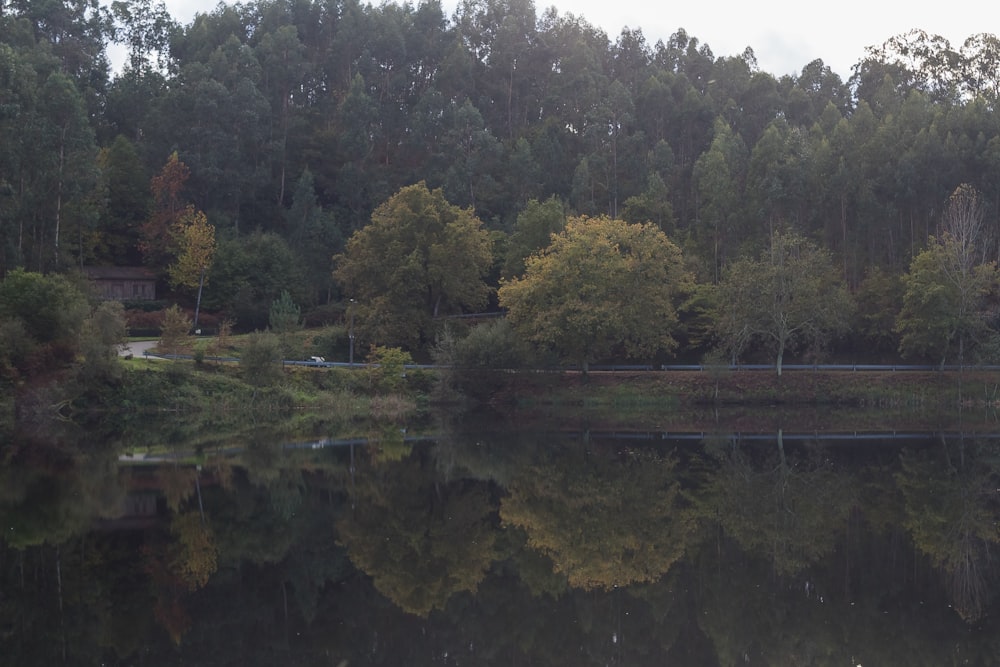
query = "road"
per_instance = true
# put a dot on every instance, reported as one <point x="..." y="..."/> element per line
<point x="137" y="348"/>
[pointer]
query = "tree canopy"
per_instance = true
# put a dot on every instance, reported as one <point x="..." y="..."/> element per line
<point x="790" y="296"/>
<point x="949" y="285"/>
<point x="420" y="258"/>
<point x="601" y="286"/>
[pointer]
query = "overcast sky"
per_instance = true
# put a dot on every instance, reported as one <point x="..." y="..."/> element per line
<point x="785" y="34"/>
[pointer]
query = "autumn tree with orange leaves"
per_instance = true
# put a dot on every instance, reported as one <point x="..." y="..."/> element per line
<point x="177" y="234"/>
<point x="168" y="208"/>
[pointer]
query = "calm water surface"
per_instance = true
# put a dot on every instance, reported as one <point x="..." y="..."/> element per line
<point x="467" y="545"/>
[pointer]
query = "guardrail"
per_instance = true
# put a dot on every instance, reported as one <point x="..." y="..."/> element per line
<point x="637" y="367"/>
<point x="829" y="367"/>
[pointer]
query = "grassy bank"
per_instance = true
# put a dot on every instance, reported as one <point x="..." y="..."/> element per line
<point x="875" y="388"/>
<point x="184" y="401"/>
<point x="210" y="398"/>
<point x="807" y="400"/>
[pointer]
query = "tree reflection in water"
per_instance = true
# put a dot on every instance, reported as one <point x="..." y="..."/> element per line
<point x="952" y="506"/>
<point x="500" y="548"/>
<point x="606" y="517"/>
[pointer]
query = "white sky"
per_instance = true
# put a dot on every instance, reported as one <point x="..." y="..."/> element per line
<point x="785" y="34"/>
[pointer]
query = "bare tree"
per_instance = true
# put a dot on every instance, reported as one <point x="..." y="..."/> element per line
<point x="963" y="220"/>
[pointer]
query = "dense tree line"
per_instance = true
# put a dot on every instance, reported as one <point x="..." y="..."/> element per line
<point x="298" y="119"/>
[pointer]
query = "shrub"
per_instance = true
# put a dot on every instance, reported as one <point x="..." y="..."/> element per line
<point x="261" y="359"/>
<point x="478" y="361"/>
<point x="102" y="336"/>
<point x="144" y="321"/>
<point x="387" y="371"/>
<point x="220" y="344"/>
<point x="16" y="346"/>
<point x="145" y="306"/>
<point x="492" y="346"/>
<point x="174" y="332"/>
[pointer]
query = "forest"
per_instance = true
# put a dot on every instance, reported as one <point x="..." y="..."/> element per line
<point x="283" y="136"/>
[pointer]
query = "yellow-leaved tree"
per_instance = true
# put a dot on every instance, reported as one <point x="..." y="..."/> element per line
<point x="194" y="238"/>
<point x="602" y="287"/>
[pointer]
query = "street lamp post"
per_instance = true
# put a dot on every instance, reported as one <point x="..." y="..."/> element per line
<point x="350" y="336"/>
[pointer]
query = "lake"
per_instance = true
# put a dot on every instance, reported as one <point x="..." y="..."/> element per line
<point x="470" y="541"/>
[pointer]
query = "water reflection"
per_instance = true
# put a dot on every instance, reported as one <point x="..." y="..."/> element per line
<point x="500" y="547"/>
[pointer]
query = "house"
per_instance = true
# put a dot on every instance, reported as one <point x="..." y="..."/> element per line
<point x="122" y="283"/>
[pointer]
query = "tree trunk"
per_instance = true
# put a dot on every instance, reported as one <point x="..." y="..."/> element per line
<point x="197" y="486"/>
<point x="197" y="306"/>
<point x="59" y="191"/>
<point x="843" y="232"/>
<point x="781" y="449"/>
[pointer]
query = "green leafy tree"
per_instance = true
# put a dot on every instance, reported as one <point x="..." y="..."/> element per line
<point x="776" y="177"/>
<point x="285" y="318"/>
<point x="51" y="306"/>
<point x="533" y="230"/>
<point x="226" y="147"/>
<point x="602" y="287"/>
<point x="420" y="258"/>
<point x="67" y="136"/>
<point x="878" y="300"/>
<point x="788" y="298"/>
<point x="249" y="273"/>
<point x="947" y="288"/>
<point x="281" y="55"/>
<point x="314" y="235"/>
<point x="943" y="306"/>
<point x="718" y="176"/>
<point x="145" y="29"/>
<point x="473" y="154"/>
<point x="128" y="200"/>
<point x="651" y="205"/>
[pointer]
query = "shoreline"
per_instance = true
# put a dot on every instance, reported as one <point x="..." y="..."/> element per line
<point x="755" y="401"/>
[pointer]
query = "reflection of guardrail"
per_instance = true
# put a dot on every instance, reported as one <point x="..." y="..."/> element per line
<point x="636" y="437"/>
<point x="143" y="458"/>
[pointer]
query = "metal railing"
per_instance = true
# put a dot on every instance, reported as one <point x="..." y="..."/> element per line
<point x="636" y="367"/>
